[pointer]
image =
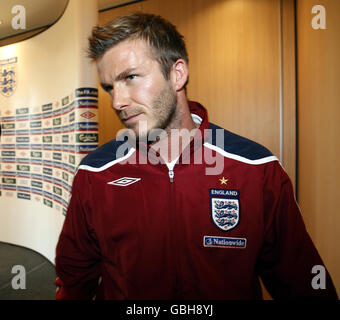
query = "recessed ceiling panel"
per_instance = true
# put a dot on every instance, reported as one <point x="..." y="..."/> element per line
<point x="18" y="17"/>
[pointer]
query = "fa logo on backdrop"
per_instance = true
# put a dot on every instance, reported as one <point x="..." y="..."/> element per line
<point x="8" y="76"/>
<point x="8" y="67"/>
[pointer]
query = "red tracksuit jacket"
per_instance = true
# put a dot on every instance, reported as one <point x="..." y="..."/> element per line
<point x="150" y="232"/>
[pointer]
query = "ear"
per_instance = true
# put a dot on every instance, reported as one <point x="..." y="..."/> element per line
<point x="179" y="74"/>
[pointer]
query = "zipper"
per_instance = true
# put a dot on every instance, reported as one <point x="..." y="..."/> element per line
<point x="174" y="229"/>
<point x="171" y="175"/>
<point x="171" y="166"/>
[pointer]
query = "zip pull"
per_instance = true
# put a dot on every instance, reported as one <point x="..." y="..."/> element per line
<point x="171" y="175"/>
<point x="171" y="166"/>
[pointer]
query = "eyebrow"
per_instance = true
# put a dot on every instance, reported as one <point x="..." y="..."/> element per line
<point x="121" y="76"/>
<point x="124" y="74"/>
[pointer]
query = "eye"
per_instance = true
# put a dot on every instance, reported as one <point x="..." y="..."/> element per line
<point x="131" y="77"/>
<point x="107" y="88"/>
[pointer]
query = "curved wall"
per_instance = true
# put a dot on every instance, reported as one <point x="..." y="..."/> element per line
<point x="48" y="115"/>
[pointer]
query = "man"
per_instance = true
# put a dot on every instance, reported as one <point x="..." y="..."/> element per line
<point x="178" y="208"/>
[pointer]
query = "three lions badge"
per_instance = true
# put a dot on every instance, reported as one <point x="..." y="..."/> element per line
<point x="225" y="208"/>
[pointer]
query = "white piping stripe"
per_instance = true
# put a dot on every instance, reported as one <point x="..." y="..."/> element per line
<point x="197" y="119"/>
<point x="109" y="164"/>
<point x="239" y="158"/>
<point x="206" y="144"/>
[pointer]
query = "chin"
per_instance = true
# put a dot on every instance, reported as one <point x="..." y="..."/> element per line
<point x="139" y="134"/>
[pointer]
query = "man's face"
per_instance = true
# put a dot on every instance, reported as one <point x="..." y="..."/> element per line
<point x="142" y="98"/>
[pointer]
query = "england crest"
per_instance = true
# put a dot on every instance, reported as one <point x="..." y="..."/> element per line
<point x="8" y="76"/>
<point x="225" y="212"/>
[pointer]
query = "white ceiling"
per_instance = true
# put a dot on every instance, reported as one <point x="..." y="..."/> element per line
<point x="39" y="13"/>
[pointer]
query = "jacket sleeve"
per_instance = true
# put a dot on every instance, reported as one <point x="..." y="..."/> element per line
<point x="77" y="252"/>
<point x="288" y="254"/>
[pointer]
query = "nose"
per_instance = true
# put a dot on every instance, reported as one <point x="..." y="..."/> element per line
<point x="120" y="97"/>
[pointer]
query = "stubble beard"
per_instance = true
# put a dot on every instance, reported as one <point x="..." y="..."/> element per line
<point x="164" y="111"/>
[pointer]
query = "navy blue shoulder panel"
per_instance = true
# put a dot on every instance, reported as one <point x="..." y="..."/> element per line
<point x="236" y="144"/>
<point x="105" y="154"/>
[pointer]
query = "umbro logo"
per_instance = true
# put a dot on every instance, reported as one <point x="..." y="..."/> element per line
<point x="123" y="182"/>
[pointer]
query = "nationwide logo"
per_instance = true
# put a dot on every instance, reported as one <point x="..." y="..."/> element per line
<point x="223" y="242"/>
<point x="123" y="182"/>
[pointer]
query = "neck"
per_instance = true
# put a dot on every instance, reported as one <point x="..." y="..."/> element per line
<point x="178" y="134"/>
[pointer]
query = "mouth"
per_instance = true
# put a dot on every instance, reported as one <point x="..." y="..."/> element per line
<point x="131" y="118"/>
